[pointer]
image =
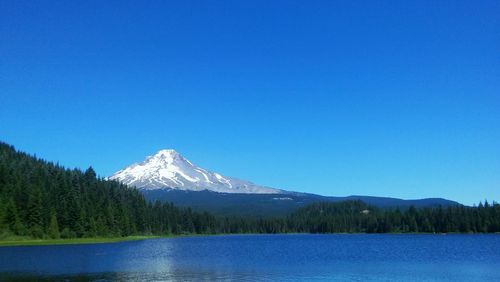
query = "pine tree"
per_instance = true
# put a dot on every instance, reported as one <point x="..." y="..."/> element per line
<point x="54" y="226"/>
<point x="35" y="207"/>
<point x="12" y="220"/>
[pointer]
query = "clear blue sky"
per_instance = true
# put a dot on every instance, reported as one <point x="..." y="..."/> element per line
<point x="385" y="98"/>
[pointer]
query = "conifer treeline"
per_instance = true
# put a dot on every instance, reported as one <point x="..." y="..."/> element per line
<point x="44" y="200"/>
<point x="356" y="216"/>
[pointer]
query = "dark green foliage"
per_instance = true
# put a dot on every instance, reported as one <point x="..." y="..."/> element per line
<point x="11" y="219"/>
<point x="53" y="227"/>
<point x="356" y="216"/>
<point x="44" y="200"/>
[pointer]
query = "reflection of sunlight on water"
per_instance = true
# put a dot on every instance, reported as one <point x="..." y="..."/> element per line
<point x="148" y="255"/>
<point x="171" y="259"/>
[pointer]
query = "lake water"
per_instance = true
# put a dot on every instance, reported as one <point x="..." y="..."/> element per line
<point x="264" y="258"/>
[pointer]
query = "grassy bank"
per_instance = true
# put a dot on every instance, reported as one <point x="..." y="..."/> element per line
<point x="23" y="241"/>
<point x="28" y="241"/>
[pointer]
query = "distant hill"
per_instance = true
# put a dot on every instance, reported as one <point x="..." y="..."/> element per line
<point x="272" y="204"/>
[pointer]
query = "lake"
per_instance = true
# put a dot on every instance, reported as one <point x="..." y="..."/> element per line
<point x="360" y="257"/>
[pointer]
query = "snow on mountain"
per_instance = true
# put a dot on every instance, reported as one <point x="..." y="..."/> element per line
<point x="167" y="169"/>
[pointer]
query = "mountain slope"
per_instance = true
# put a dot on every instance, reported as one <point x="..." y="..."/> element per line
<point x="168" y="169"/>
<point x="270" y="205"/>
<point x="169" y="177"/>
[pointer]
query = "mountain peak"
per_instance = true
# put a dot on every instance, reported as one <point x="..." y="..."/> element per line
<point x="167" y="169"/>
<point x="167" y="152"/>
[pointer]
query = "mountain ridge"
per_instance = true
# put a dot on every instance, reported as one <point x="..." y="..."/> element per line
<point x="269" y="205"/>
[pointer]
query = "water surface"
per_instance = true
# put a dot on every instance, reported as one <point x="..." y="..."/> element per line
<point x="360" y="257"/>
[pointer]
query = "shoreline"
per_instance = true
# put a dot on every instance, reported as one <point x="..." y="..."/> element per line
<point x="85" y="241"/>
<point x="76" y="241"/>
<point x="104" y="240"/>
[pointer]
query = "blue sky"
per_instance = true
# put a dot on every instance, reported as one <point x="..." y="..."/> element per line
<point x="393" y="98"/>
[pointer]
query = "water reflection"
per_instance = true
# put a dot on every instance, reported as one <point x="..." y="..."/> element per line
<point x="154" y="256"/>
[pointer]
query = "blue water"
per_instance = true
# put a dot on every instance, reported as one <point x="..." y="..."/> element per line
<point x="265" y="258"/>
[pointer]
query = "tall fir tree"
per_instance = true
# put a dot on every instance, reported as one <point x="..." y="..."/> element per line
<point x="53" y="231"/>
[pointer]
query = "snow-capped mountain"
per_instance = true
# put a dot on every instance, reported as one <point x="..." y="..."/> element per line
<point x="167" y="169"/>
